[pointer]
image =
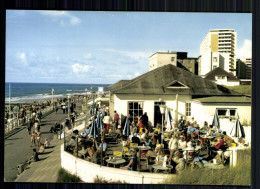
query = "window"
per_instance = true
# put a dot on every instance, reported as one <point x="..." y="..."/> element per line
<point x="173" y="58"/>
<point x="227" y="113"/>
<point x="215" y="59"/>
<point x="135" y="110"/>
<point x="188" y="109"/>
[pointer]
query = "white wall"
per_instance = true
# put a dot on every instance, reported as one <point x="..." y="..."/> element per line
<point x="205" y="63"/>
<point x="88" y="171"/>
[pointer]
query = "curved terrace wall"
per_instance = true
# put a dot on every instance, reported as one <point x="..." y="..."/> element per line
<point x="88" y="171"/>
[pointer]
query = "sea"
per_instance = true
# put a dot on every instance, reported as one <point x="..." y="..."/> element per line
<point x="30" y="92"/>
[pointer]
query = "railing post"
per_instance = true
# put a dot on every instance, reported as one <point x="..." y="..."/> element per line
<point x="77" y="146"/>
<point x="64" y="139"/>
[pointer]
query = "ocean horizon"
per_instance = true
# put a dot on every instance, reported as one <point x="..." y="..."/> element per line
<point x="29" y="92"/>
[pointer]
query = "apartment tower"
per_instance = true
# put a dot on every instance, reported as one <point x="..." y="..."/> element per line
<point x="218" y="49"/>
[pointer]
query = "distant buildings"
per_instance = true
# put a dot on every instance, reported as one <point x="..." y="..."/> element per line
<point x="218" y="50"/>
<point x="244" y="68"/>
<point x="178" y="59"/>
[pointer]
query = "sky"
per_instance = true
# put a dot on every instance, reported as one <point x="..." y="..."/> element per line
<point x="104" y="47"/>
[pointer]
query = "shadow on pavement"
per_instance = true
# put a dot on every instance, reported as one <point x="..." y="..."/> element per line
<point x="45" y="153"/>
<point x="13" y="138"/>
<point x="49" y="147"/>
<point x="40" y="159"/>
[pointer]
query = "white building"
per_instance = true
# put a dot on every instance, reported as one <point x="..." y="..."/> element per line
<point x="218" y="50"/>
<point x="159" y="59"/>
<point x="184" y="93"/>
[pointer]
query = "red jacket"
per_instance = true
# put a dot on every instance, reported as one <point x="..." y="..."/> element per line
<point x="116" y="117"/>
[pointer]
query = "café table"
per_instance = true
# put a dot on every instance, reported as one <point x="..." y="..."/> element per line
<point x="115" y="161"/>
<point x="157" y="168"/>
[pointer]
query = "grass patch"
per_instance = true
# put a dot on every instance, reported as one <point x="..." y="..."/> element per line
<point x="244" y="89"/>
<point x="99" y="179"/>
<point x="65" y="176"/>
<point x="239" y="175"/>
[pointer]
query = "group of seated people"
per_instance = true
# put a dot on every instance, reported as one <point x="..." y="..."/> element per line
<point x="179" y="145"/>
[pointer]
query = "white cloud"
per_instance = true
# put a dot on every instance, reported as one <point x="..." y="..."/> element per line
<point x="246" y="50"/>
<point x="22" y="57"/>
<point x="77" y="68"/>
<point x="87" y="56"/>
<point x="62" y="17"/>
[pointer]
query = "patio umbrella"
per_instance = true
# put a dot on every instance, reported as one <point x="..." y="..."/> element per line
<point x="215" y="121"/>
<point x="238" y="130"/>
<point x="126" y="130"/>
<point x="93" y="131"/>
<point x="99" y="123"/>
<point x="168" y="119"/>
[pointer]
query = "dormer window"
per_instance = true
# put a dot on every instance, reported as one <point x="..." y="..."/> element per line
<point x="175" y="84"/>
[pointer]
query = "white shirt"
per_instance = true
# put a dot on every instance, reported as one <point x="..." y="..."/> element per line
<point x="106" y="120"/>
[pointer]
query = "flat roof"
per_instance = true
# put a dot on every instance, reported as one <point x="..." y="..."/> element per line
<point x="224" y="99"/>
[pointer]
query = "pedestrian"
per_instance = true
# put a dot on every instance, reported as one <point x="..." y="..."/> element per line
<point x="33" y="139"/>
<point x="116" y="119"/>
<point x="29" y="126"/>
<point x="38" y="138"/>
<point x="57" y="109"/>
<point x="63" y="108"/>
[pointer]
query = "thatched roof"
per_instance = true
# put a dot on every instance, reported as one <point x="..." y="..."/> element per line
<point x="169" y="79"/>
<point x="219" y="71"/>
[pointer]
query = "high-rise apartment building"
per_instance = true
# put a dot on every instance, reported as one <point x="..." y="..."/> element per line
<point x="218" y="49"/>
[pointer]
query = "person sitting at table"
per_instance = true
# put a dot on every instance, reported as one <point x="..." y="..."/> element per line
<point x="140" y="124"/>
<point x="160" y="157"/>
<point x="143" y="135"/>
<point x="218" y="145"/>
<point x="135" y="139"/>
<point x="227" y="139"/>
<point x="90" y="153"/>
<point x="132" y="165"/>
<point x="154" y="139"/>
<point x="182" y="143"/>
<point x="151" y="155"/>
<point x="86" y="132"/>
<point x="181" y="126"/>
<point x="158" y="128"/>
<point x="119" y="131"/>
<point x="180" y="162"/>
<point x="147" y="141"/>
<point x="205" y="126"/>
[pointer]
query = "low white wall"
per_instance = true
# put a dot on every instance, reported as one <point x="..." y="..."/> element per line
<point x="88" y="171"/>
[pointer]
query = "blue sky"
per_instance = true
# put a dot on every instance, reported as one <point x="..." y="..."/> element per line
<point x="105" y="47"/>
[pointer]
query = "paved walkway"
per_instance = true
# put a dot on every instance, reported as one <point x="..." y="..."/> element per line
<point x="18" y="151"/>
<point x="45" y="170"/>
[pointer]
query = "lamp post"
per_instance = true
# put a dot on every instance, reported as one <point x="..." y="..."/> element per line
<point x="68" y="106"/>
<point x="162" y="109"/>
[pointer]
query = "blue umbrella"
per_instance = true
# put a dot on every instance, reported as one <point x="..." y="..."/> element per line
<point x="238" y="131"/>
<point x="93" y="131"/>
<point x="99" y="121"/>
<point x="216" y="120"/>
<point x="170" y="116"/>
<point x="126" y="130"/>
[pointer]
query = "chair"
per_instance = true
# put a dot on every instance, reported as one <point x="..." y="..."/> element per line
<point x="117" y="154"/>
<point x="126" y="151"/>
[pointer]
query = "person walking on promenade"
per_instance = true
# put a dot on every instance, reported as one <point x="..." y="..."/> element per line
<point x="33" y="139"/>
<point x="29" y="126"/>
<point x="64" y="109"/>
<point x="36" y="125"/>
<point x="38" y="138"/>
<point x="57" y="109"/>
<point x="116" y="119"/>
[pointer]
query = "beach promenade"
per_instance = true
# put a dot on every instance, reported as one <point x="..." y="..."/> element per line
<point x="18" y="151"/>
